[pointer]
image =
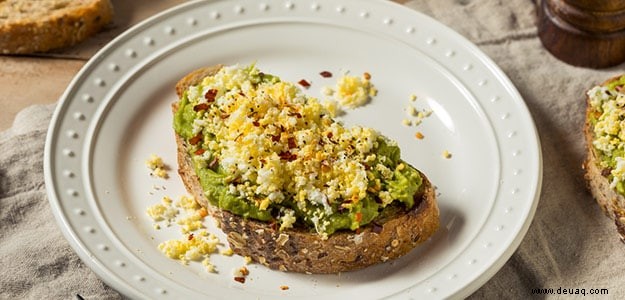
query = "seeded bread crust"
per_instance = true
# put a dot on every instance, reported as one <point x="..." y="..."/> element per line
<point x="612" y="203"/>
<point x="299" y="250"/>
<point x="28" y="26"/>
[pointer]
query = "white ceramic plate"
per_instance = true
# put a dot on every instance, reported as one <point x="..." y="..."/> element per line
<point x="116" y="112"/>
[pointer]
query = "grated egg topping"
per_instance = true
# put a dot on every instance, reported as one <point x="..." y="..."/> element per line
<point x="156" y="165"/>
<point x="273" y="142"/>
<point x="354" y="91"/>
<point x="608" y="119"/>
<point x="196" y="243"/>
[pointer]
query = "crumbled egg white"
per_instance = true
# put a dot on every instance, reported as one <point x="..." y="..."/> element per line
<point x="192" y="222"/>
<point x="288" y="219"/>
<point x="416" y="116"/>
<point x="227" y="252"/>
<point x="196" y="242"/>
<point x="188" y="203"/>
<point x="274" y="140"/>
<point x="353" y="91"/>
<point x="618" y="172"/>
<point x="191" y="248"/>
<point x="609" y="129"/>
<point x="332" y="107"/>
<point x="209" y="266"/>
<point x="155" y="163"/>
<point x="162" y="211"/>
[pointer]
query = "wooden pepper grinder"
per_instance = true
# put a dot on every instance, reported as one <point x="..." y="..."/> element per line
<point x="586" y="33"/>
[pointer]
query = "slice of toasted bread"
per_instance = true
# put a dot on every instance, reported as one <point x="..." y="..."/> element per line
<point x="38" y="26"/>
<point x="611" y="202"/>
<point x="300" y="250"/>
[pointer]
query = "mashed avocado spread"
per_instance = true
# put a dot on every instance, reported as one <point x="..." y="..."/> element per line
<point x="607" y="118"/>
<point x="264" y="150"/>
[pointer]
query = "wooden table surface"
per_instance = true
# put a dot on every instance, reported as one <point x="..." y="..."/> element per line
<point x="42" y="78"/>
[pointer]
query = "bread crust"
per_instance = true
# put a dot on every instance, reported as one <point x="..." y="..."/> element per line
<point x="612" y="203"/>
<point x="299" y="250"/>
<point x="62" y="28"/>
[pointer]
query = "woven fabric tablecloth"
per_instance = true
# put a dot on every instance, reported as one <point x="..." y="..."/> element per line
<point x="570" y="243"/>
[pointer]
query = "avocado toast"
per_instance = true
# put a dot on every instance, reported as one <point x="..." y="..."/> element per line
<point x="290" y="187"/>
<point x="605" y="141"/>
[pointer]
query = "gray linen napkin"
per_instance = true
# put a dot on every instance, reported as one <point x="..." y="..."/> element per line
<point x="37" y="262"/>
<point x="570" y="244"/>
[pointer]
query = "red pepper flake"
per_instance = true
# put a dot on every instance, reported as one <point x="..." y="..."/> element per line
<point x="325" y="74"/>
<point x="366" y="76"/>
<point x="196" y="139"/>
<point x="284" y="287"/>
<point x="288" y="156"/>
<point x="275" y="138"/>
<point x="210" y="95"/>
<point x="255" y="123"/>
<point x="190" y="236"/>
<point x="199" y="151"/>
<point x="200" y="107"/>
<point x="304" y="83"/>
<point x="329" y="135"/>
<point x="358" y="217"/>
<point x="291" y="142"/>
<point x="239" y="279"/>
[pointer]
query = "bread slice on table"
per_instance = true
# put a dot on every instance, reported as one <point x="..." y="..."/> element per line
<point x="305" y="251"/>
<point x="28" y="26"/>
<point x="599" y="177"/>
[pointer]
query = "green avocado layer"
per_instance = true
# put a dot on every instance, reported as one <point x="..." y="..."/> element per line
<point x="405" y="183"/>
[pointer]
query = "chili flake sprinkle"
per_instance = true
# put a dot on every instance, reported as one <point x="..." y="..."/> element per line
<point x="304" y="83"/>
<point x="239" y="279"/>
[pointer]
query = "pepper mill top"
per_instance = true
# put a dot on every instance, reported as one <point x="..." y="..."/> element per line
<point x="584" y="32"/>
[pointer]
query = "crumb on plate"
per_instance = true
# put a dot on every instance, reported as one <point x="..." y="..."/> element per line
<point x="156" y="165"/>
